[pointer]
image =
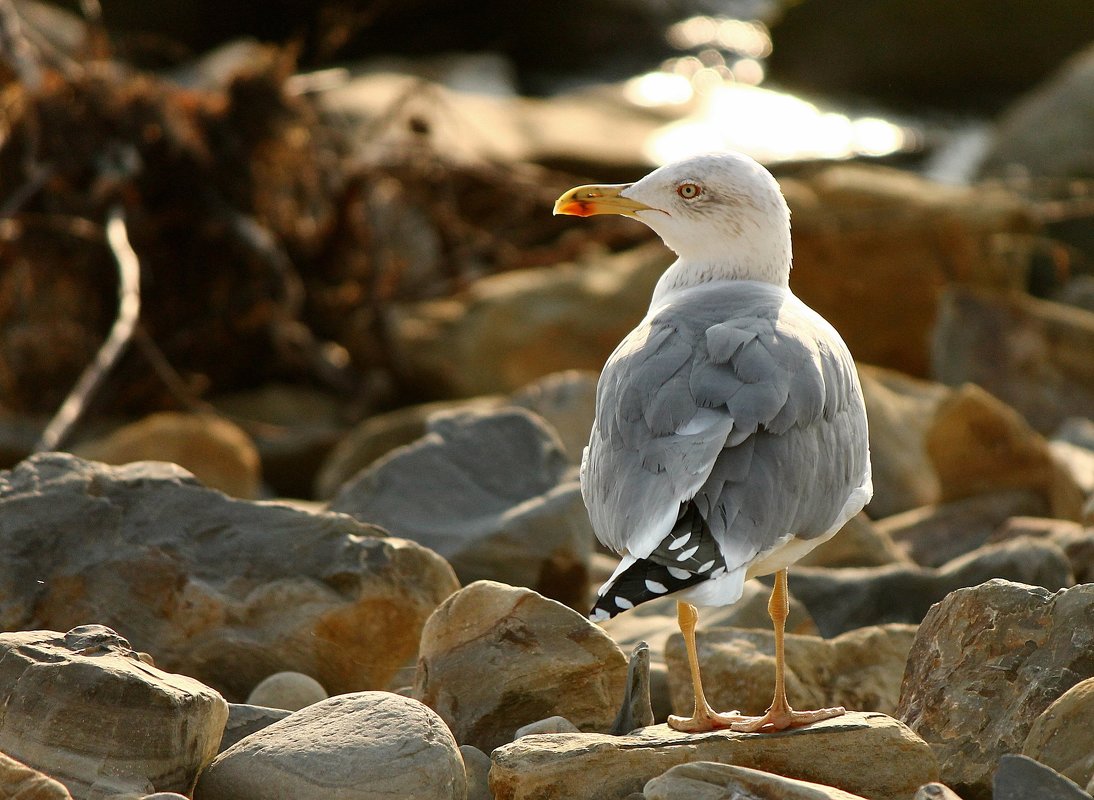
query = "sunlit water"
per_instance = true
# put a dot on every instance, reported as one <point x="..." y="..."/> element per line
<point x="723" y="106"/>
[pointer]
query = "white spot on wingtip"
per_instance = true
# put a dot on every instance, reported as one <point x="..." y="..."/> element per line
<point x="655" y="587"/>
<point x="684" y="556"/>
<point x="623" y="603"/>
<point x="706" y="566"/>
<point x="599" y="615"/>
<point x="676" y="544"/>
<point x="679" y="574"/>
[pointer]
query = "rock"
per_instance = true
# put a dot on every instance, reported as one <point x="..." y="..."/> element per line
<point x="297" y="428"/>
<point x="553" y="724"/>
<point x="924" y="54"/>
<point x="165" y="796"/>
<point x="932" y="535"/>
<point x="978" y="444"/>
<point x="843" y="599"/>
<point x="1076" y="541"/>
<point x="859" y="543"/>
<point x="655" y="621"/>
<point x="380" y="434"/>
<point x="567" y="401"/>
<point x="477" y="768"/>
<point x="216" y="451"/>
<point x="508" y="329"/>
<point x="843" y="752"/>
<point x="145" y="548"/>
<point x="1020" y="778"/>
<point x="1046" y="133"/>
<point x="709" y="780"/>
<point x="636" y="710"/>
<point x="287" y="690"/>
<point x="493" y="493"/>
<point x="545" y="660"/>
<point x="900" y="410"/>
<point x="1031" y="354"/>
<point x="363" y="745"/>
<point x="84" y="708"/>
<point x="20" y="782"/>
<point x="1060" y="737"/>
<point x="935" y="791"/>
<point x="853" y="220"/>
<point x="987" y="661"/>
<point x="860" y="669"/>
<point x="243" y="720"/>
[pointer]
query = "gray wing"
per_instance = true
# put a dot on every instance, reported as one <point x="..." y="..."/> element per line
<point x="739" y="399"/>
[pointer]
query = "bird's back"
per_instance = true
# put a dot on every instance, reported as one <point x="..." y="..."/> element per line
<point x="733" y="412"/>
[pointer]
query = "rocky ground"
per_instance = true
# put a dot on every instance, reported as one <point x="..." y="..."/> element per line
<point x="319" y="533"/>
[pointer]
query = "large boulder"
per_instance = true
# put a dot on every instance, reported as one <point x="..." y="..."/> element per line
<point x="88" y="710"/>
<point x="866" y="754"/>
<point x="224" y="590"/>
<point x="986" y="663"/>
<point x="1060" y="736"/>
<point x="358" y="746"/>
<point x="544" y="660"/>
<point x="492" y="492"/>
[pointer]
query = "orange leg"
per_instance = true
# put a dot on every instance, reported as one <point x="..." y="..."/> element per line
<point x="780" y="715"/>
<point x="703" y="718"/>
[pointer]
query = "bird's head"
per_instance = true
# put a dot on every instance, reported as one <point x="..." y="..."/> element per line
<point x="721" y="212"/>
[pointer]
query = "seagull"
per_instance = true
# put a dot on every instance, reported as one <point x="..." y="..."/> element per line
<point x="730" y="436"/>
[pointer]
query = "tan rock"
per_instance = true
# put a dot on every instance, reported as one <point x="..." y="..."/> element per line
<point x="901" y="231"/>
<point x="986" y="662"/>
<point x="859" y="543"/>
<point x="978" y="444"/>
<point x="900" y="409"/>
<point x="357" y="746"/>
<point x="1060" y="737"/>
<point x="844" y="752"/>
<point x="287" y="690"/>
<point x="709" y="780"/>
<point x="20" y="782"/>
<point x="216" y="451"/>
<point x="506" y="330"/>
<point x="1034" y="355"/>
<point x="144" y="547"/>
<point x="860" y="669"/>
<point x="84" y="708"/>
<point x="935" y="534"/>
<point x="545" y="660"/>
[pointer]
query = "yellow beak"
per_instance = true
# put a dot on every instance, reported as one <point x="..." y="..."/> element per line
<point x="584" y="201"/>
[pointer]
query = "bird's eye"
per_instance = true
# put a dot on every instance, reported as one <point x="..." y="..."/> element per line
<point x="688" y="191"/>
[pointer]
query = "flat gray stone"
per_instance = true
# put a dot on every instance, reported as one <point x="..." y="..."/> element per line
<point x="1022" y="778"/>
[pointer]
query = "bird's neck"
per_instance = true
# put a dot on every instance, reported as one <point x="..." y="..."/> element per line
<point x="686" y="273"/>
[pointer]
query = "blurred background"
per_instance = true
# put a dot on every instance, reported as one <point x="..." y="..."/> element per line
<point x="342" y="208"/>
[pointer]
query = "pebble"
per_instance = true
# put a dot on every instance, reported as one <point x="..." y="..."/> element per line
<point x="287" y="690"/>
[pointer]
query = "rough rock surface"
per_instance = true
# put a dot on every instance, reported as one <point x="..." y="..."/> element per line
<point x="860" y="669"/>
<point x="843" y="752"/>
<point x="1031" y="354"/>
<point x="20" y="782"/>
<point x="844" y="599"/>
<point x="358" y="746"/>
<point x="288" y="690"/>
<point x="493" y="493"/>
<point x="987" y="661"/>
<point x="218" y="452"/>
<point x="146" y="549"/>
<point x="1061" y="737"/>
<point x="84" y="707"/>
<point x="544" y="660"/>
<point x="709" y="780"/>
